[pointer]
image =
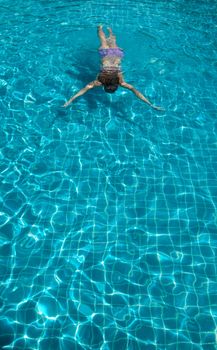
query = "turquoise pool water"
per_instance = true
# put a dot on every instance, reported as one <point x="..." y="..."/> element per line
<point x="108" y="209"/>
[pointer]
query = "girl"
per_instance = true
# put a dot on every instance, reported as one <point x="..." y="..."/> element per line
<point x="110" y="76"/>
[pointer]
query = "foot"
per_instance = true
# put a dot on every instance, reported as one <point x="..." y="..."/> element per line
<point x="110" y="30"/>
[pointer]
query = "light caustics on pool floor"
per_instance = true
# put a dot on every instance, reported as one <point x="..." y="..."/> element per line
<point x="108" y="213"/>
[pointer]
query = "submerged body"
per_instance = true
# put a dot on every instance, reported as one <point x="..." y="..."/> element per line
<point x="110" y="76"/>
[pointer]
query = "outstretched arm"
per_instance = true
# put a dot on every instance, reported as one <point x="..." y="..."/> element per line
<point x="139" y="95"/>
<point x="82" y="91"/>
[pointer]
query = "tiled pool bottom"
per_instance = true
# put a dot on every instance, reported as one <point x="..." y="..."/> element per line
<point x="110" y="251"/>
<point x="108" y="209"/>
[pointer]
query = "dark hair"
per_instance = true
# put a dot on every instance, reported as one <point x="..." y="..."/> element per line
<point x="110" y="81"/>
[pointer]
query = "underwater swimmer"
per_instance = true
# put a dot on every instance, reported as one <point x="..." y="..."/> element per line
<point x="110" y="76"/>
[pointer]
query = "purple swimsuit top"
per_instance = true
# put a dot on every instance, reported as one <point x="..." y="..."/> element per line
<point x="111" y="51"/>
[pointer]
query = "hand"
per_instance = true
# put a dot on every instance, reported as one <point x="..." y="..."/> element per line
<point x="67" y="103"/>
<point x="159" y="108"/>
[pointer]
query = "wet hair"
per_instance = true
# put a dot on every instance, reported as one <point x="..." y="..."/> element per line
<point x="110" y="81"/>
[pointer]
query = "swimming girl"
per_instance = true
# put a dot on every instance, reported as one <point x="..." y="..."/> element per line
<point x="110" y="76"/>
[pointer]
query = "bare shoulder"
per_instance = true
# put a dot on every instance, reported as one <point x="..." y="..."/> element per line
<point x="93" y="84"/>
<point x="97" y="83"/>
<point x="126" y="85"/>
<point x="121" y="78"/>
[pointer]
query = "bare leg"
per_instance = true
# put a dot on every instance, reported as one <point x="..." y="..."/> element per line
<point x="101" y="34"/>
<point x="111" y="40"/>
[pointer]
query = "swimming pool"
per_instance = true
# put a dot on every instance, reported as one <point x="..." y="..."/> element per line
<point x="108" y="208"/>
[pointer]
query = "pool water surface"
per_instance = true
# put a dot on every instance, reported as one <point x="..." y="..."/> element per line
<point x="108" y="209"/>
